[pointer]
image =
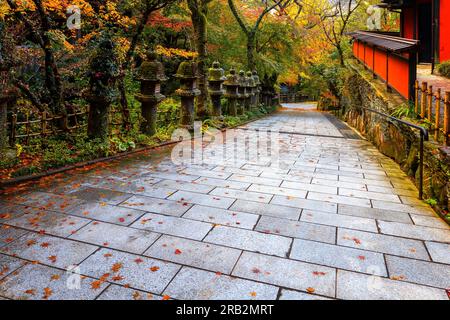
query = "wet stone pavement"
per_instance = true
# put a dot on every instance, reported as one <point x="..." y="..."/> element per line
<point x="303" y="214"/>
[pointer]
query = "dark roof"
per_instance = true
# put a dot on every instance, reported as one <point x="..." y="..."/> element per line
<point x="394" y="44"/>
<point x="395" y="4"/>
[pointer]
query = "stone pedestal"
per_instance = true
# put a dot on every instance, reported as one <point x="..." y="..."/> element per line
<point x="187" y="73"/>
<point x="150" y="74"/>
<point x="216" y="78"/>
<point x="232" y="92"/>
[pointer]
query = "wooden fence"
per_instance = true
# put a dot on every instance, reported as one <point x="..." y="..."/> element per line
<point x="434" y="106"/>
<point x="23" y="127"/>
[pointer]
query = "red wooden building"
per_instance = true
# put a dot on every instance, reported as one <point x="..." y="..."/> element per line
<point x="424" y="38"/>
<point x="427" y="21"/>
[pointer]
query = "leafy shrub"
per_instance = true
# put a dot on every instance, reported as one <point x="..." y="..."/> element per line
<point x="444" y="69"/>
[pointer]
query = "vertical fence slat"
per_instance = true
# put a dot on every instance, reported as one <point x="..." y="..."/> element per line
<point x="447" y="118"/>
<point x="416" y="99"/>
<point x="430" y="103"/>
<point x="44" y="123"/>
<point x="437" y="114"/>
<point x="423" y="102"/>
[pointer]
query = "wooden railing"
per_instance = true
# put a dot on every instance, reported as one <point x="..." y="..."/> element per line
<point x="434" y="106"/>
<point x="23" y="127"/>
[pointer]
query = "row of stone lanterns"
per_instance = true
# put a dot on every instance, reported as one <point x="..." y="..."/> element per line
<point x="243" y="91"/>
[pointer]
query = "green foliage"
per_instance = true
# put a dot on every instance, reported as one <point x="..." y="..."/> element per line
<point x="431" y="202"/>
<point x="404" y="110"/>
<point x="444" y="69"/>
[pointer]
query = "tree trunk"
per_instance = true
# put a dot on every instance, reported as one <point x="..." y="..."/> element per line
<point x="199" y="11"/>
<point x="251" y="47"/>
<point x="98" y="121"/>
<point x="341" y="55"/>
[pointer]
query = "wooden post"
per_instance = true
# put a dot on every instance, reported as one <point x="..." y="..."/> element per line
<point x="447" y="118"/>
<point x="44" y="123"/>
<point x="423" y="102"/>
<point x="416" y="102"/>
<point x="27" y="129"/>
<point x="438" y="114"/>
<point x="430" y="103"/>
<point x="13" y="130"/>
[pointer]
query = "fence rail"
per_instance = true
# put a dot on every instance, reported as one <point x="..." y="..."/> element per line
<point x="22" y="127"/>
<point x="433" y="106"/>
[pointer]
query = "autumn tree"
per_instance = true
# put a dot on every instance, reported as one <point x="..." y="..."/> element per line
<point x="335" y="20"/>
<point x="147" y="8"/>
<point x="251" y="29"/>
<point x="199" y="13"/>
<point x="40" y="31"/>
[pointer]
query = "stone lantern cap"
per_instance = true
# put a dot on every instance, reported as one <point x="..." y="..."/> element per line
<point x="256" y="78"/>
<point x="242" y="79"/>
<point x="232" y="79"/>
<point x="187" y="70"/>
<point x="216" y="73"/>
<point x="151" y="69"/>
<point x="250" y="80"/>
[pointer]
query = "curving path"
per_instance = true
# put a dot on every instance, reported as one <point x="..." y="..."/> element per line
<point x="306" y="213"/>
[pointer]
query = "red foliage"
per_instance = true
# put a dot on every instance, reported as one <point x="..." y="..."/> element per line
<point x="156" y="19"/>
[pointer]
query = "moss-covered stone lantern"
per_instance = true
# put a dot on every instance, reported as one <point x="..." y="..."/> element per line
<point x="232" y="93"/>
<point x="216" y="77"/>
<point x="150" y="74"/>
<point x="243" y="94"/>
<point x="187" y="74"/>
<point x="251" y="89"/>
<point x="257" y="83"/>
<point x="103" y="73"/>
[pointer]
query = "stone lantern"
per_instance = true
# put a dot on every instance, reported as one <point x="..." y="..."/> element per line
<point x="251" y="89"/>
<point x="243" y="94"/>
<point x="150" y="74"/>
<point x="232" y="91"/>
<point x="257" y="88"/>
<point x="188" y="75"/>
<point x="216" y="77"/>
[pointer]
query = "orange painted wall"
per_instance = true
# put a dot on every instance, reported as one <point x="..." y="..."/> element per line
<point x="398" y="67"/>
<point x="399" y="75"/>
<point x="444" y="31"/>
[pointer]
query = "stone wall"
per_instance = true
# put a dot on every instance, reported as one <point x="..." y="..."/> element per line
<point x="397" y="141"/>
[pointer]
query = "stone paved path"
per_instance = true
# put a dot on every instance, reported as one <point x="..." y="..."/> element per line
<point x="321" y="217"/>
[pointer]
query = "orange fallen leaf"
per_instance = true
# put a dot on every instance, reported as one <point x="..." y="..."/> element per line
<point x="154" y="269"/>
<point x="118" y="278"/>
<point x="166" y="297"/>
<point x="47" y="293"/>
<point x="55" y="277"/>
<point x="52" y="259"/>
<point x="31" y="243"/>
<point x="253" y="294"/>
<point x="45" y="244"/>
<point x="177" y="251"/>
<point x="96" y="284"/>
<point x="310" y="290"/>
<point x="30" y="292"/>
<point x="116" y="267"/>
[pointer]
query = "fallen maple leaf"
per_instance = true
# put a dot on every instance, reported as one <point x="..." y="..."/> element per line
<point x="52" y="259"/>
<point x="138" y="260"/>
<point x="47" y="293"/>
<point x="55" y="277"/>
<point x="30" y="292"/>
<point x="116" y="267"/>
<point x="118" y="278"/>
<point x="253" y="294"/>
<point x="154" y="269"/>
<point x="31" y="243"/>
<point x="96" y="284"/>
<point x="318" y="273"/>
<point x="166" y="297"/>
<point x="177" y="251"/>
<point x="45" y="244"/>
<point x="310" y="290"/>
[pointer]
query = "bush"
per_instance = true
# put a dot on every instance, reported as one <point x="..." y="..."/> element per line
<point x="444" y="69"/>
